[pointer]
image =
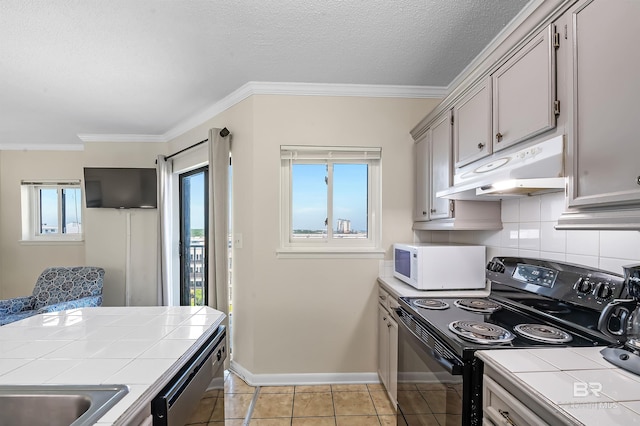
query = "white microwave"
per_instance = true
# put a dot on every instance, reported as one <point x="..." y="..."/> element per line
<point x="440" y="266"/>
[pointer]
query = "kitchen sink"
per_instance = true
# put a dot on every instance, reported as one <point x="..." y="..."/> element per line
<point x="57" y="405"/>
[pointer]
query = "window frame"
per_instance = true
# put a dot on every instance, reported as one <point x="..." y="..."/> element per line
<point x="326" y="155"/>
<point x="31" y="211"/>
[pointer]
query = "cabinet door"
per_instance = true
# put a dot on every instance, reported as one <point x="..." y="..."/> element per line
<point x="604" y="92"/>
<point x="440" y="165"/>
<point x="472" y="138"/>
<point x="393" y="360"/>
<point x="383" y="346"/>
<point x="421" y="210"/>
<point x="524" y="92"/>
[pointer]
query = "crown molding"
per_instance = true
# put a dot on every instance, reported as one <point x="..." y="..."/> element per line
<point x="116" y="137"/>
<point x="41" y="147"/>
<point x="259" y="88"/>
<point x="304" y="89"/>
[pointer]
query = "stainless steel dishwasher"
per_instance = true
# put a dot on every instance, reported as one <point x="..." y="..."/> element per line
<point x="204" y="372"/>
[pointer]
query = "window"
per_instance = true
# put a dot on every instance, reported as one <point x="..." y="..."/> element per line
<point x="51" y="211"/>
<point x="330" y="199"/>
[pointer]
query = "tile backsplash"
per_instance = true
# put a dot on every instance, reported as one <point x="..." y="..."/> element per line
<point x="528" y="231"/>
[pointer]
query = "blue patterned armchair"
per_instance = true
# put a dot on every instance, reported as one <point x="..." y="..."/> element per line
<point x="57" y="289"/>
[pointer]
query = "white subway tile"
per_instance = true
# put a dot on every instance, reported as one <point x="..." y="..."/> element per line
<point x="586" y="243"/>
<point x="622" y="244"/>
<point x="552" y="206"/>
<point x="510" y="232"/>
<point x="591" y="261"/>
<point x="530" y="209"/>
<point x="615" y="265"/>
<point x="529" y="253"/>
<point x="560" y="257"/>
<point x="529" y="236"/>
<point x="511" y="210"/>
<point x="551" y="239"/>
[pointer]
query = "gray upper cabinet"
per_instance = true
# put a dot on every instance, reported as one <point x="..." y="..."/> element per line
<point x="472" y="125"/>
<point x="604" y="88"/>
<point x="524" y="92"/>
<point x="441" y="165"/>
<point x="421" y="209"/>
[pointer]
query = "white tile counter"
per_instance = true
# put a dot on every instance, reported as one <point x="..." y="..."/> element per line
<point x="398" y="288"/>
<point x="575" y="383"/>
<point x="141" y="347"/>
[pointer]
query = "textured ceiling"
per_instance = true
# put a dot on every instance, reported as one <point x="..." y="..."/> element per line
<point x="70" y="67"/>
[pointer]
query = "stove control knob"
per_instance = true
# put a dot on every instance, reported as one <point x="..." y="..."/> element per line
<point x="603" y="291"/>
<point x="584" y="286"/>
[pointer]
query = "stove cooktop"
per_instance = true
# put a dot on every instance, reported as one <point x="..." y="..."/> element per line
<point x="534" y="300"/>
<point x="506" y="317"/>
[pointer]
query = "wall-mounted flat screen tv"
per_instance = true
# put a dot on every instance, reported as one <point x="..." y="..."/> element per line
<point x="120" y="188"/>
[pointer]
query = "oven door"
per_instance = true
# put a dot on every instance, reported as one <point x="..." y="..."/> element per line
<point x="431" y="378"/>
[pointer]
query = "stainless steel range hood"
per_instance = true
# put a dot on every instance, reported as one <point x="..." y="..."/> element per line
<point x="536" y="169"/>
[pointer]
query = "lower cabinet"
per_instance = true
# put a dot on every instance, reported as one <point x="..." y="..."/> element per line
<point x="387" y="345"/>
<point x="499" y="407"/>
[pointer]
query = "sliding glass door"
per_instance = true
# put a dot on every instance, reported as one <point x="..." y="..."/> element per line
<point x="194" y="213"/>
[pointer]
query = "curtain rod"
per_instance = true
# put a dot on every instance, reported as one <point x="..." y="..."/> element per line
<point x="224" y="133"/>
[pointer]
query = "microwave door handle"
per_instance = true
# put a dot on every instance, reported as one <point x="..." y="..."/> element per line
<point x="454" y="367"/>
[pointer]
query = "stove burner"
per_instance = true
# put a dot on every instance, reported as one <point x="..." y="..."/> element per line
<point x="430" y="304"/>
<point x="548" y="306"/>
<point x="543" y="333"/>
<point x="477" y="305"/>
<point x="481" y="332"/>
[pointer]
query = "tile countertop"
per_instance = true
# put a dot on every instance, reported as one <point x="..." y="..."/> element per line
<point x="398" y="288"/>
<point x="604" y="394"/>
<point x="141" y="347"/>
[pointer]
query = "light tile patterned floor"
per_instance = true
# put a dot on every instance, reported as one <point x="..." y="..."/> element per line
<point x="322" y="405"/>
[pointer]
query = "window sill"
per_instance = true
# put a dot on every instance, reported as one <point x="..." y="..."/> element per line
<point x="51" y="242"/>
<point x="329" y="253"/>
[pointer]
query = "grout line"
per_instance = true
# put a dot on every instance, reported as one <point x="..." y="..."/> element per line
<point x="252" y="405"/>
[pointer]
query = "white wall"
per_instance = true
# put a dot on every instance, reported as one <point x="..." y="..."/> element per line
<point x="304" y="316"/>
<point x="110" y="242"/>
<point x="105" y="230"/>
<point x="528" y="230"/>
<point x="21" y="263"/>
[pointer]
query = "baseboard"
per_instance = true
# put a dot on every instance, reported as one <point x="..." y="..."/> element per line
<point x="302" y="378"/>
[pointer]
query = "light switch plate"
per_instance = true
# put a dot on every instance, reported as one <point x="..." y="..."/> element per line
<point x="237" y="241"/>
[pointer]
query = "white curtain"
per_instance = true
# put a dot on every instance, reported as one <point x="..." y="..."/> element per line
<point x="218" y="271"/>
<point x="164" y="169"/>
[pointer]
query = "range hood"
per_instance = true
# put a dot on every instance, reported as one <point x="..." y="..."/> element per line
<point x="536" y="169"/>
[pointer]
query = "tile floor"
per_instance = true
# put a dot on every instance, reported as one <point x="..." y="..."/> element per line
<point x="321" y="405"/>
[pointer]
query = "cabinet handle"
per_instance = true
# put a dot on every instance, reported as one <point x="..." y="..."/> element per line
<point x="433" y="210"/>
<point x="638" y="180"/>
<point x="505" y="414"/>
<point x="499" y="137"/>
<point x="480" y="145"/>
<point x="424" y="212"/>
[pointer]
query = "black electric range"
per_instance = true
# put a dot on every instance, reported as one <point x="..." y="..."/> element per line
<point x="532" y="303"/>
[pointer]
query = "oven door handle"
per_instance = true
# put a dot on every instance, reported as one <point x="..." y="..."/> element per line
<point x="427" y="341"/>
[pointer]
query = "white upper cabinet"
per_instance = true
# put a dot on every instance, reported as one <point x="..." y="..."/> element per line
<point x="524" y="92"/>
<point x="604" y="92"/>
<point x="472" y="125"/>
<point x="421" y="209"/>
<point x="441" y="165"/>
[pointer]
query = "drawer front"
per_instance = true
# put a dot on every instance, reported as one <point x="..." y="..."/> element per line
<point x="502" y="408"/>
